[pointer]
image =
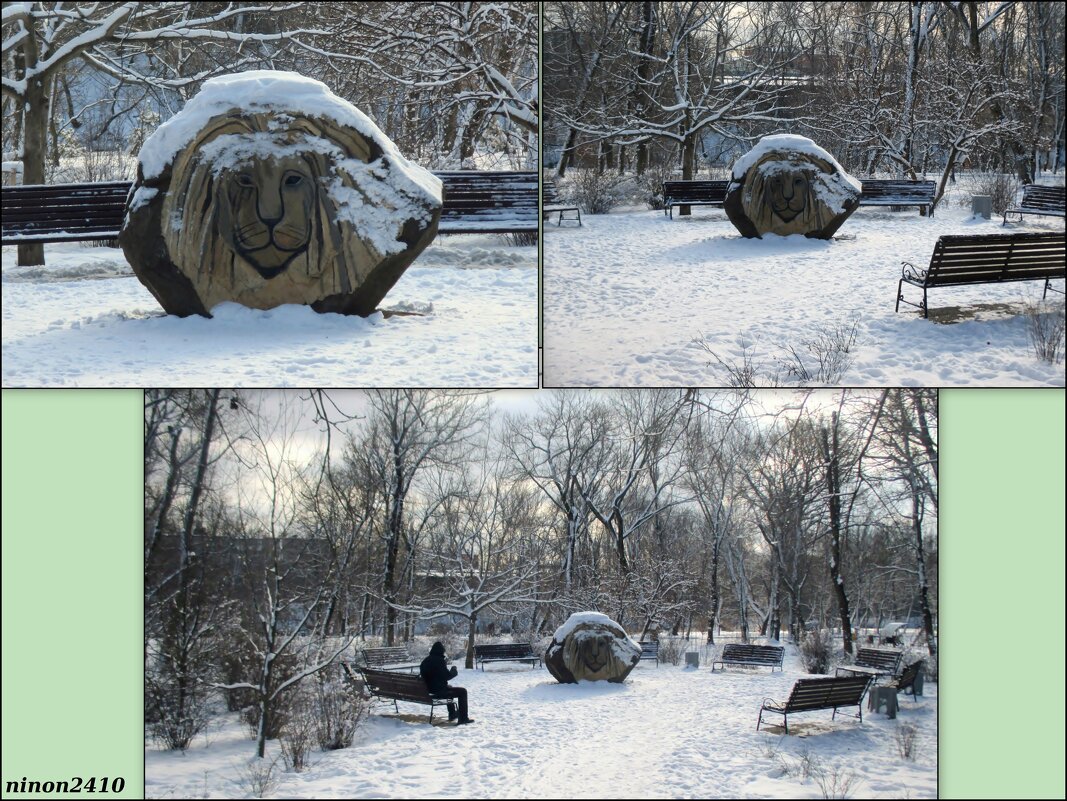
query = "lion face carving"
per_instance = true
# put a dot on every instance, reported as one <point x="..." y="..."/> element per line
<point x="266" y="206"/>
<point x="267" y="212"/>
<point x="788" y="194"/>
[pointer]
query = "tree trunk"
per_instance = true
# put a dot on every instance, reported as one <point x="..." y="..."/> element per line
<point x="831" y="452"/>
<point x="35" y="149"/>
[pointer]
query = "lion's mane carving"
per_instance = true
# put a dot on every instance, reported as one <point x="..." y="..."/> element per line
<point x="272" y="208"/>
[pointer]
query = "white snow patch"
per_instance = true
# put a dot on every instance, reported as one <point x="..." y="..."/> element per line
<point x="280" y="93"/>
<point x="791" y="143"/>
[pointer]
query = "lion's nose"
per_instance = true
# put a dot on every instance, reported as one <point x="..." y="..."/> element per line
<point x="271" y="209"/>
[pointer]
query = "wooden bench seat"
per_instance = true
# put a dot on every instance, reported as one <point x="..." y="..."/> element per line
<point x="693" y="193"/>
<point x="551" y="204"/>
<point x="751" y="656"/>
<point x="809" y="695"/>
<point x="989" y="259"/>
<point x="873" y="662"/>
<point x="506" y="652"/>
<point x="392" y="658"/>
<point x="473" y="203"/>
<point x="396" y="687"/>
<point x="1037" y="199"/>
<point x="898" y="193"/>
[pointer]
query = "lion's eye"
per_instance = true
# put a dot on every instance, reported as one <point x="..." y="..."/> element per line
<point x="245" y="180"/>
<point x="293" y="180"/>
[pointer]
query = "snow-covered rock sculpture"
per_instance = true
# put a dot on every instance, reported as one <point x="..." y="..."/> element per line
<point x="789" y="185"/>
<point x="591" y="646"/>
<point x="269" y="189"/>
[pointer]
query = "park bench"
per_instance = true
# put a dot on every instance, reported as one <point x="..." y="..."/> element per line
<point x="809" y="695"/>
<point x="751" y="655"/>
<point x="649" y="650"/>
<point x="990" y="259"/>
<point x="1046" y="200"/>
<point x="474" y="203"/>
<point x="693" y="193"/>
<point x="395" y="687"/>
<point x="393" y="658"/>
<point x="552" y="204"/>
<point x="506" y="652"/>
<point x="488" y="202"/>
<point x="907" y="678"/>
<point x="874" y="662"/>
<point x="898" y="193"/>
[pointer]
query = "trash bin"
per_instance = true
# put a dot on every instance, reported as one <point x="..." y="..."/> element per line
<point x="981" y="205"/>
<point x="692" y="659"/>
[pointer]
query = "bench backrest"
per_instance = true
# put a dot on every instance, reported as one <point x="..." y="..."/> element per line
<point x="878" y="658"/>
<point x="756" y="654"/>
<point x="488" y="202"/>
<point x="81" y="212"/>
<point x="649" y="647"/>
<point x="696" y="191"/>
<point x="402" y="685"/>
<point x="515" y="649"/>
<point x="1043" y="198"/>
<point x="549" y="193"/>
<point x="904" y="191"/>
<point x="907" y="678"/>
<point x="827" y="692"/>
<point x="376" y="657"/>
<point x="996" y="257"/>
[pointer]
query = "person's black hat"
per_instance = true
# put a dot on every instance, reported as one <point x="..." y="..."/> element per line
<point x="438" y="648"/>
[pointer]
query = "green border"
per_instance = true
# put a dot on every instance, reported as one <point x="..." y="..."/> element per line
<point x="1001" y="621"/>
<point x="72" y="600"/>
<point x="72" y="611"/>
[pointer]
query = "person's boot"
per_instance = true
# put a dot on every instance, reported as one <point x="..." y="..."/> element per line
<point x="452" y="714"/>
<point x="465" y="720"/>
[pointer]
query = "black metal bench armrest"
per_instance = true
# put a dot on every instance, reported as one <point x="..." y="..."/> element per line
<point x="773" y="706"/>
<point x="910" y="273"/>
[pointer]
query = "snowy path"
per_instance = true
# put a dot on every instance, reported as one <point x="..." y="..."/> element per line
<point x="85" y="320"/>
<point x="666" y="732"/>
<point x="628" y="296"/>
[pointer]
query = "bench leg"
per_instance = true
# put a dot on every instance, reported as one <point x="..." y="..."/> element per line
<point x="900" y="293"/>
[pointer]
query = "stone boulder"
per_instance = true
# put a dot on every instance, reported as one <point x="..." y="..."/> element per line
<point x="268" y="189"/>
<point x="591" y="646"/>
<point x="789" y="185"/>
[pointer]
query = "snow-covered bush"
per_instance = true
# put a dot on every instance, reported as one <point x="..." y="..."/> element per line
<point x="815" y="651"/>
<point x="596" y="193"/>
<point x="338" y="709"/>
<point x="299" y="732"/>
<point x="652" y="183"/>
<point x="1045" y="323"/>
<point x="670" y="650"/>
<point x="905" y="739"/>
<point x="257" y="777"/>
<point x="1001" y="187"/>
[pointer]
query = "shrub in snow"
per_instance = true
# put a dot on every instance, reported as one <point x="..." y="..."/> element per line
<point x="596" y="193"/>
<point x="268" y="189"/>
<point x="1045" y="327"/>
<point x="789" y="185"/>
<point x="338" y="709"/>
<point x="591" y="646"/>
<point x="815" y="651"/>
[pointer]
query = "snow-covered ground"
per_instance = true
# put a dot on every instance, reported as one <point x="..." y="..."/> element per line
<point x="633" y="298"/>
<point x="668" y="732"/>
<point x="85" y="320"/>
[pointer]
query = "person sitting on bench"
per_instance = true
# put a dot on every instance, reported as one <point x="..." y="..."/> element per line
<point x="436" y="674"/>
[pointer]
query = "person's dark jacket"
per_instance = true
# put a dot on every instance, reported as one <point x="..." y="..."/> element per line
<point x="434" y="670"/>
